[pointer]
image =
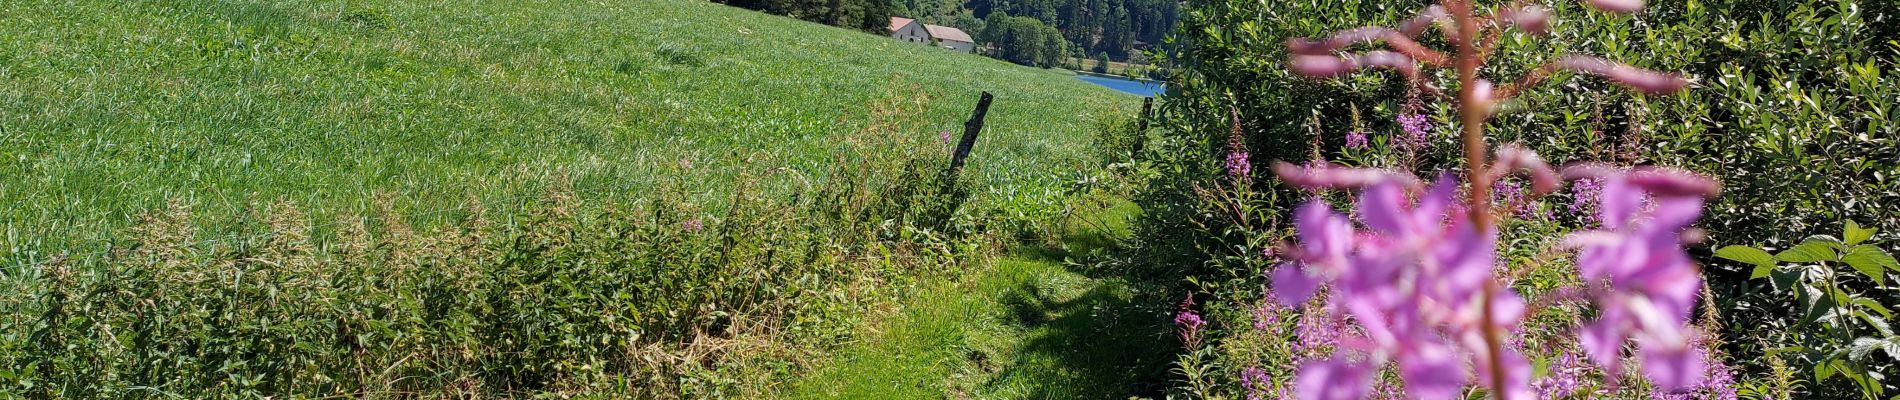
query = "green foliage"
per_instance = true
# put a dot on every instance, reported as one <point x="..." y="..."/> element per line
<point x="1104" y="26"/>
<point x="1026" y="41"/>
<point x="1842" y="331"/>
<point x="867" y="15"/>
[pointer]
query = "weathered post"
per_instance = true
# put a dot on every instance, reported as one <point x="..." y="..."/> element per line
<point x="970" y="128"/>
<point x="1141" y="128"/>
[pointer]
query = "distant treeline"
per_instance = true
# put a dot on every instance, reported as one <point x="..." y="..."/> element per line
<point x="1032" y="32"/>
<point x="1092" y="27"/>
<point x="868" y="15"/>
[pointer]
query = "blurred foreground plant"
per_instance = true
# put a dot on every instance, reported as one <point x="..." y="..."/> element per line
<point x="1419" y="279"/>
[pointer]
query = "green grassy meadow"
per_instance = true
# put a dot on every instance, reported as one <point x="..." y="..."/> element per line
<point x="110" y="109"/>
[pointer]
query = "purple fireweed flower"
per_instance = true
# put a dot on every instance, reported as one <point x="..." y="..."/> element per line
<point x="1266" y="316"/>
<point x="1517" y="202"/>
<point x="692" y="225"/>
<point x="1237" y="164"/>
<point x="1255" y="380"/>
<point x="1356" y="140"/>
<point x="943" y="136"/>
<point x="1316" y="333"/>
<point x="1644" y="283"/>
<point x="1586" y="192"/>
<point x="1565" y="378"/>
<point x="1417" y="130"/>
<point x="1189" y="322"/>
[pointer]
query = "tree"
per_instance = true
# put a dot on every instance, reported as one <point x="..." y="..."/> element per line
<point x="1101" y="63"/>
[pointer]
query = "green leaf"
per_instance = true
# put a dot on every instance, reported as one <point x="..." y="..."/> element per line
<point x="1761" y="271"/>
<point x="1746" y="255"/>
<point x="1807" y="252"/>
<point x="1854" y="234"/>
<point x="1867" y="253"/>
<point x="1870" y="261"/>
<point x="1784" y="280"/>
<point x="1823" y="370"/>
<point x="1874" y="305"/>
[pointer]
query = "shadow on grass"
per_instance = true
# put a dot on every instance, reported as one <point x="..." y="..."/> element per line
<point x="1113" y="340"/>
<point x="1103" y="343"/>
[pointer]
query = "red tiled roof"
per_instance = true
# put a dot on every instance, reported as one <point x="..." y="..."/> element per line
<point x="948" y="33"/>
<point x="899" y="22"/>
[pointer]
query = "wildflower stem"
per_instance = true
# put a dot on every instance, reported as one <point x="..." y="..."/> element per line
<point x="1473" y="111"/>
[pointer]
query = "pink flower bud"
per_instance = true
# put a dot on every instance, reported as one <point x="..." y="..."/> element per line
<point x="1423" y="20"/>
<point x="1532" y="19"/>
<point x="1321" y="66"/>
<point x="1512" y="157"/>
<point x="1616" y="6"/>
<point x="1339" y="40"/>
<point x="1334" y="177"/>
<point x="1642" y="80"/>
<point x="1674" y="183"/>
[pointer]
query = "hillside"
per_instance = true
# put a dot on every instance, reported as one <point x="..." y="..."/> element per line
<point x="108" y="109"/>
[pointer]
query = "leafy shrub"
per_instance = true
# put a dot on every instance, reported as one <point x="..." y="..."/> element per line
<point x="1839" y="330"/>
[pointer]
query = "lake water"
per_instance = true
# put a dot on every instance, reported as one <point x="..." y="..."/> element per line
<point x="1134" y="87"/>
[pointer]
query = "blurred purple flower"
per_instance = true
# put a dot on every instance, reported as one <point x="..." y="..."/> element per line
<point x="1644" y="283"/>
<point x="1718" y="385"/>
<point x="1410" y="280"/>
<point x="692" y="225"/>
<point x="943" y="136"/>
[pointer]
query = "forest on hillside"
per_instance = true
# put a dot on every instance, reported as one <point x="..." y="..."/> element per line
<point x="1034" y="32"/>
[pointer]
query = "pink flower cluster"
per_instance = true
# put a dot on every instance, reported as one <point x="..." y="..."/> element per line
<point x="1356" y="140"/>
<point x="1417" y="278"/>
<point x="1417" y="131"/>
<point x="1189" y="322"/>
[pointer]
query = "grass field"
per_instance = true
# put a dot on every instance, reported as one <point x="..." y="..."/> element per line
<point x="1029" y="326"/>
<point x="109" y="109"/>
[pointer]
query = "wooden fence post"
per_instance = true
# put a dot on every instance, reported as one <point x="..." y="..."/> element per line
<point x="970" y="128"/>
<point x="1141" y="128"/>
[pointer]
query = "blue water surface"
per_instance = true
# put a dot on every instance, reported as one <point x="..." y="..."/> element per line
<point x="1134" y="87"/>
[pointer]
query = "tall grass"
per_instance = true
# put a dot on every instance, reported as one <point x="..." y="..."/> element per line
<point x="656" y="297"/>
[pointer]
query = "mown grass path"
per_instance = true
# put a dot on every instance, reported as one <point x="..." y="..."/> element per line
<point x="1029" y="325"/>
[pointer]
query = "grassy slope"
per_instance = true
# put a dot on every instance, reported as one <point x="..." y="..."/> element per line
<point x="109" y="108"/>
<point x="1027" y="326"/>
